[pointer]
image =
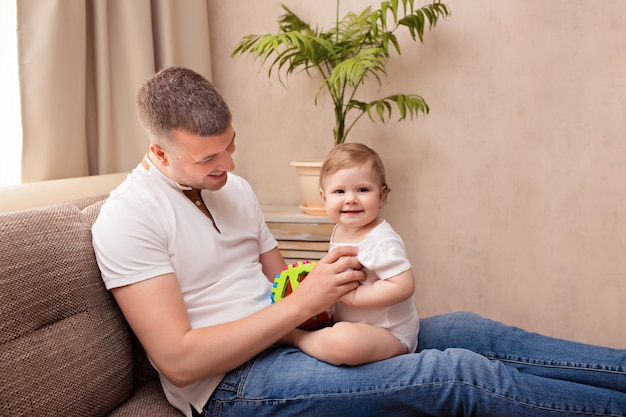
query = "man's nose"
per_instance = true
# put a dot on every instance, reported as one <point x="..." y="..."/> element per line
<point x="226" y="162"/>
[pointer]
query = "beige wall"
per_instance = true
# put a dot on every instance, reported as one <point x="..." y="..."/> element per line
<point x="511" y="193"/>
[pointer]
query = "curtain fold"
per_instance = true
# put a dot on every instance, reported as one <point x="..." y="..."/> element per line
<point x="81" y="64"/>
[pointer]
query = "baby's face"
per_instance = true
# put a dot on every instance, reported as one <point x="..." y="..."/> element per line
<point x="352" y="196"/>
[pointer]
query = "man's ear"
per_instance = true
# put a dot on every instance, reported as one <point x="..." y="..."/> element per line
<point x="159" y="153"/>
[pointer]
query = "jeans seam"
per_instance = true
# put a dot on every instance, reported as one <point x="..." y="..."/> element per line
<point x="552" y="408"/>
<point x="355" y="394"/>
<point x="244" y="379"/>
<point x="546" y="364"/>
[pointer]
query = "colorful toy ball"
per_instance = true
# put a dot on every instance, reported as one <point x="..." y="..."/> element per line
<point x="287" y="281"/>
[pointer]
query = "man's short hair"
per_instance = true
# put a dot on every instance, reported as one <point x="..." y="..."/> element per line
<point x="178" y="98"/>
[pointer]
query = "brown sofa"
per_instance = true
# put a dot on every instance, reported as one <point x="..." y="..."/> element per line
<point x="65" y="348"/>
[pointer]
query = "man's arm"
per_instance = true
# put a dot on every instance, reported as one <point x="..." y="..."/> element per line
<point x="273" y="263"/>
<point x="156" y="312"/>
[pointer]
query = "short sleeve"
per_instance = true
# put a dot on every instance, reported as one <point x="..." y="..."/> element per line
<point x="386" y="258"/>
<point x="131" y="247"/>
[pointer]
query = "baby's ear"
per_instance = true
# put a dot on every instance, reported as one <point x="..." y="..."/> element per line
<point x="323" y="195"/>
<point x="384" y="193"/>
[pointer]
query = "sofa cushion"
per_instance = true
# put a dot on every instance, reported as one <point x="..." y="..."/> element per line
<point x="64" y="345"/>
<point x="90" y="211"/>
<point x="83" y="203"/>
<point x="148" y="400"/>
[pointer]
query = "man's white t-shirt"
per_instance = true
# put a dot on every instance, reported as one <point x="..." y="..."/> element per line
<point x="148" y="228"/>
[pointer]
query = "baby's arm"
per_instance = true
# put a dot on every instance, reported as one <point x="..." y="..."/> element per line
<point x="382" y="293"/>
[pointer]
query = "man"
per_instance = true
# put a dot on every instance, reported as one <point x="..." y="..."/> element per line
<point x="183" y="246"/>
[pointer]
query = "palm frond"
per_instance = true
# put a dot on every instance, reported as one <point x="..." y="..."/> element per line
<point x="357" y="48"/>
<point x="408" y="105"/>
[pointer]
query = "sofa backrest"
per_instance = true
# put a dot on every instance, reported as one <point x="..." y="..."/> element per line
<point x="36" y="194"/>
<point x="65" y="348"/>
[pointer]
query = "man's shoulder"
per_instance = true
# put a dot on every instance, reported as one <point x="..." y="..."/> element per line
<point x="135" y="196"/>
<point x="129" y="193"/>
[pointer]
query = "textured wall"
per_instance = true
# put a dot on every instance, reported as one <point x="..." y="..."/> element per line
<point x="510" y="194"/>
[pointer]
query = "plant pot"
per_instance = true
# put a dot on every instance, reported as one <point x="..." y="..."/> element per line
<point x="309" y="177"/>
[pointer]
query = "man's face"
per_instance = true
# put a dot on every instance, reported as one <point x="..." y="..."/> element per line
<point x="200" y="162"/>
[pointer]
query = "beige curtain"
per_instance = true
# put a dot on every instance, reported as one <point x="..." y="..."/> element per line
<point x="81" y="64"/>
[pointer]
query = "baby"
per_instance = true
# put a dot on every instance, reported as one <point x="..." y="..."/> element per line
<point x="378" y="319"/>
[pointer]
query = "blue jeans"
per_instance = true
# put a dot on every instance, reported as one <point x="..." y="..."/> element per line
<point x="513" y="373"/>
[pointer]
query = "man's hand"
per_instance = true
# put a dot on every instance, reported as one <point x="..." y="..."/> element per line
<point x="334" y="275"/>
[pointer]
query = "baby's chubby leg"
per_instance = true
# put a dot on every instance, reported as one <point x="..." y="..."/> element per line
<point x="349" y="343"/>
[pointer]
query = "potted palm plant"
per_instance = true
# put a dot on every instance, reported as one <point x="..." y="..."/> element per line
<point x="355" y="49"/>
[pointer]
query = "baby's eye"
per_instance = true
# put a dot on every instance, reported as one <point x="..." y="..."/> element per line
<point x="364" y="190"/>
<point x="339" y="191"/>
